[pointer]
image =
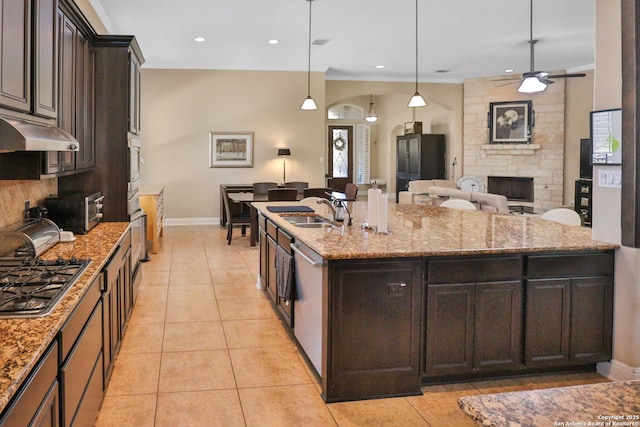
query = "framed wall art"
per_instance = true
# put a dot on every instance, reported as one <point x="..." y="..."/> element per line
<point x="231" y="149"/>
<point x="510" y="122"/>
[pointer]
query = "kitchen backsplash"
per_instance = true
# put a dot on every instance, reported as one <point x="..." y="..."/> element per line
<point x="13" y="194"/>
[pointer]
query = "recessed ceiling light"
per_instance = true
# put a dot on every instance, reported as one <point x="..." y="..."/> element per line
<point x="199" y="39"/>
<point x="380" y="66"/>
<point x="509" y="70"/>
<point x="274" y="41"/>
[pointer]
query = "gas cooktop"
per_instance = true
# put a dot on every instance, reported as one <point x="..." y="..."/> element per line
<point x="32" y="287"/>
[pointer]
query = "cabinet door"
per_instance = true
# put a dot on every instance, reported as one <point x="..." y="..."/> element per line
<point x="46" y="58"/>
<point x="498" y="325"/>
<point x="84" y="87"/>
<point x="414" y="155"/>
<point x="591" y="319"/>
<point x="66" y="91"/>
<point x="134" y="94"/>
<point x="373" y="328"/>
<point x="547" y="322"/>
<point x="450" y="319"/>
<point x="263" y="257"/>
<point x="15" y="54"/>
<point x="125" y="292"/>
<point x="48" y="414"/>
<point x="402" y="155"/>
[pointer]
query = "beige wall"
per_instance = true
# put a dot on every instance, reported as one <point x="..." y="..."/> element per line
<point x="181" y="107"/>
<point x="606" y="203"/>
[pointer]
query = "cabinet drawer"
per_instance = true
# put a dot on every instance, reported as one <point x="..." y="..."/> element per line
<point x="469" y="270"/>
<point x="36" y="388"/>
<point x="272" y="230"/>
<point x="284" y="240"/>
<point x="78" y="319"/>
<point x="581" y="264"/>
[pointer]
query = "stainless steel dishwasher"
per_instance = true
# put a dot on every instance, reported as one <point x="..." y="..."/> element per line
<point x="307" y="326"/>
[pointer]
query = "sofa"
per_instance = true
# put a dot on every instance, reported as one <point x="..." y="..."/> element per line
<point x="484" y="201"/>
<point x="419" y="189"/>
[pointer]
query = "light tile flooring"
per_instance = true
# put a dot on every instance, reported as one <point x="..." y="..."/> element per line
<point x="204" y="348"/>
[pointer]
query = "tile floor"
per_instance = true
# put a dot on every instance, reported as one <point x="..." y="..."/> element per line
<point x="204" y="348"/>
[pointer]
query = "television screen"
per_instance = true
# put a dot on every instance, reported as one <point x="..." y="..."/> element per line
<point x="606" y="137"/>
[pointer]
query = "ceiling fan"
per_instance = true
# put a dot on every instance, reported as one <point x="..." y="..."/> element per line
<point x="537" y="81"/>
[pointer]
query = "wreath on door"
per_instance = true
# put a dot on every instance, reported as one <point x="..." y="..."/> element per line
<point x="339" y="143"/>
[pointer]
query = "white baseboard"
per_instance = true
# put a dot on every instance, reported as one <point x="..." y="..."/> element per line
<point x="618" y="371"/>
<point x="170" y="222"/>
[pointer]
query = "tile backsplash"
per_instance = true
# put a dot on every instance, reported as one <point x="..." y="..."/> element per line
<point x="13" y="194"/>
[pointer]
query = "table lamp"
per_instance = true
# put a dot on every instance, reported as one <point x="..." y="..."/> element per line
<point x="284" y="152"/>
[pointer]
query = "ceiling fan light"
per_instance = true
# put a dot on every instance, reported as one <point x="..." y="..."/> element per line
<point x="417" y="100"/>
<point x="532" y="85"/>
<point x="309" y="104"/>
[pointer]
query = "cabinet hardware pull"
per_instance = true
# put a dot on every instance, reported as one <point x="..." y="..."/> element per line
<point x="303" y="255"/>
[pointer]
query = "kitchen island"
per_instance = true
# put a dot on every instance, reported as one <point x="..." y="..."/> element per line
<point x="25" y="342"/>
<point x="446" y="296"/>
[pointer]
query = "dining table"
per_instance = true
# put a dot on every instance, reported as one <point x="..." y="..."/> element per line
<point x="247" y="197"/>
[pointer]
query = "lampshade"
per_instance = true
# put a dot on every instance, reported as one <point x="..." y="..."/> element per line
<point x="532" y="85"/>
<point x="417" y="100"/>
<point x="371" y="116"/>
<point x="284" y="152"/>
<point x="309" y="103"/>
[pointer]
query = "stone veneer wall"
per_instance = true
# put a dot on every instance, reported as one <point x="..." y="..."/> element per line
<point x="543" y="159"/>
<point x="13" y="194"/>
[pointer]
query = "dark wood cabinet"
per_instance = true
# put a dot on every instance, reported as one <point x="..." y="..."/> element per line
<point x="15" y="55"/>
<point x="45" y="57"/>
<point x="274" y="238"/>
<point x="37" y="403"/>
<point x="473" y="327"/>
<point x="81" y="373"/>
<point x="374" y="343"/>
<point x="419" y="156"/>
<point x="117" y="299"/>
<point x="84" y="97"/>
<point x="134" y="94"/>
<point x="569" y="313"/>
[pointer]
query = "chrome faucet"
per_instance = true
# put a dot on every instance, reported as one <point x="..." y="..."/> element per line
<point x="337" y="207"/>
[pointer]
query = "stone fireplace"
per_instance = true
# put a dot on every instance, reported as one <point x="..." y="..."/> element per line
<point x="541" y="162"/>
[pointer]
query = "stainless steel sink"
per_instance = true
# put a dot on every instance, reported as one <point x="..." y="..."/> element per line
<point x="308" y="221"/>
<point x="314" y="225"/>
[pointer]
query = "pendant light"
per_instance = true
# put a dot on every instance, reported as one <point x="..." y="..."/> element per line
<point x="417" y="100"/>
<point x="309" y="103"/>
<point x="371" y="116"/>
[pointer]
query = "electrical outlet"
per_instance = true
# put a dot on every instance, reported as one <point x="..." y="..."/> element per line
<point x="27" y="205"/>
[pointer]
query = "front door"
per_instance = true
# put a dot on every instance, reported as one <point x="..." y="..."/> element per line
<point x="340" y="155"/>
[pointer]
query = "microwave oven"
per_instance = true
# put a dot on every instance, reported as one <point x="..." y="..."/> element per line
<point x="77" y="212"/>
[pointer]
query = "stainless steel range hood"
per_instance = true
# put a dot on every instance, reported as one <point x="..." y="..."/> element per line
<point x="19" y="135"/>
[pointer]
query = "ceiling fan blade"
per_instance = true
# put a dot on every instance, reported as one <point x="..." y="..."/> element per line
<point x="564" y="76"/>
<point x="546" y="81"/>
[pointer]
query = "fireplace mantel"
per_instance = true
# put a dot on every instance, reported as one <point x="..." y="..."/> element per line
<point x="511" y="149"/>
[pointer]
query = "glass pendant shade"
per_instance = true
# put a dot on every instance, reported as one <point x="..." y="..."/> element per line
<point x="309" y="104"/>
<point x="417" y="100"/>
<point x="371" y="116"/>
<point x="532" y="85"/>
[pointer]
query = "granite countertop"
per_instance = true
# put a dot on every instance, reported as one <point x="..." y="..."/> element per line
<point x="419" y="230"/>
<point x="604" y="404"/>
<point x="24" y="341"/>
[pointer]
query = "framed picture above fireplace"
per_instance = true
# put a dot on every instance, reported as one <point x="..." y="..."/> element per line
<point x="510" y="122"/>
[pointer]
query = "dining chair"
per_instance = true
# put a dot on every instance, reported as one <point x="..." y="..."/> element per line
<point x="299" y="185"/>
<point x="279" y="194"/>
<point x="234" y="218"/>
<point x="325" y="193"/>
<point x="351" y="191"/>
<point x="263" y="187"/>
<point x="563" y="216"/>
<point x="460" y="204"/>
